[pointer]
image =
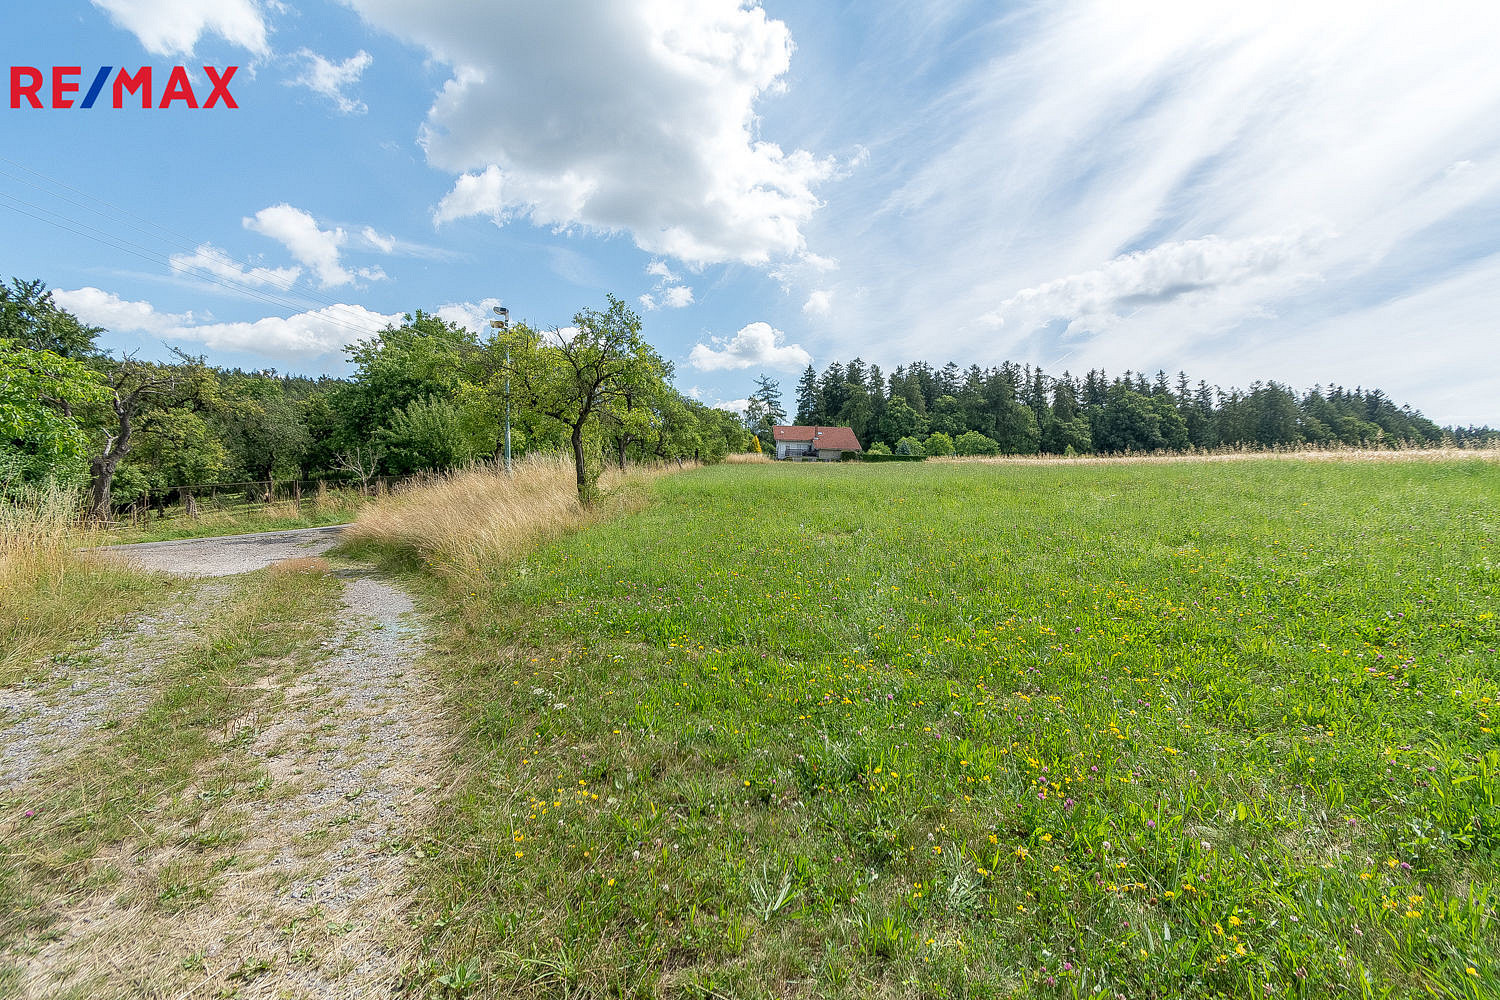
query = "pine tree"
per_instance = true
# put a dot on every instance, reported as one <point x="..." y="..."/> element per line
<point x="809" y="399"/>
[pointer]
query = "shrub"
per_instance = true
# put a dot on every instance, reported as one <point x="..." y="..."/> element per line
<point x="878" y="448"/>
<point x="975" y="443"/>
<point x="909" y="446"/>
<point x="938" y="444"/>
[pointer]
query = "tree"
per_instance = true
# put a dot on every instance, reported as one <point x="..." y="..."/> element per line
<point x="39" y="393"/>
<point x="768" y="391"/>
<point x="30" y="318"/>
<point x="809" y="400"/>
<point x="901" y="421"/>
<point x="971" y="443"/>
<point x="133" y="386"/>
<point x="571" y="378"/>
<point x="427" y="433"/>
<point x="938" y="444"/>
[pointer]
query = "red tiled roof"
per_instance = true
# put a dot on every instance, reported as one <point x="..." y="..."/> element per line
<point x="833" y="438"/>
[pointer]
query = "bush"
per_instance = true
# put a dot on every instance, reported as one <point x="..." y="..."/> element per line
<point x="971" y="443"/>
<point x="867" y="456"/>
<point x="878" y="448"/>
<point x="909" y="446"/>
<point x="938" y="444"/>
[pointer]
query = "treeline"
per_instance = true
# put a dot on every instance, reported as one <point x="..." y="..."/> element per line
<point x="424" y="395"/>
<point x="1014" y="409"/>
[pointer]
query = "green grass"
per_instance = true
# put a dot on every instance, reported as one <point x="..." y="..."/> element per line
<point x="1184" y="730"/>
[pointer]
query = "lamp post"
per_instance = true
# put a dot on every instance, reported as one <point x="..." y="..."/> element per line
<point x="503" y="323"/>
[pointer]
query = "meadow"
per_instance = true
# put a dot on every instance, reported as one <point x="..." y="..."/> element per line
<point x="1124" y="730"/>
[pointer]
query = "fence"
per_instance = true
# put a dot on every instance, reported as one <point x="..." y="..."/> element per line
<point x="196" y="499"/>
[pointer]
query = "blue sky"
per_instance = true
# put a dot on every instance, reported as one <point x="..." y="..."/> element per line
<point x="1307" y="191"/>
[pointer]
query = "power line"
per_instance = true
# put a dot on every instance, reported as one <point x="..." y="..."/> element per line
<point x="125" y="246"/>
<point x="306" y="300"/>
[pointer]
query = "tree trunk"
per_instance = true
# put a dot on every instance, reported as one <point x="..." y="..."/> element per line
<point x="583" y="483"/>
<point x="102" y="469"/>
<point x="623" y="444"/>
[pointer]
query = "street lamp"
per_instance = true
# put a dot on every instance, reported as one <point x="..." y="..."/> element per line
<point x="502" y="324"/>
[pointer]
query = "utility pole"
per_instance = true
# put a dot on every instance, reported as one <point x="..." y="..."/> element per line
<point x="503" y="324"/>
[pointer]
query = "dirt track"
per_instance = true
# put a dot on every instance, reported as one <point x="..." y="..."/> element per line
<point x="313" y="897"/>
<point x="229" y="554"/>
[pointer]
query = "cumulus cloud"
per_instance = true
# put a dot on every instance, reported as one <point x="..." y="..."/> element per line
<point x="758" y="345"/>
<point x="318" y="249"/>
<point x="100" y="308"/>
<point x="333" y="79"/>
<point x="209" y="259"/>
<point x="1093" y="299"/>
<point x="819" y="303"/>
<point x="301" y="336"/>
<point x="669" y="293"/>
<point x="472" y="316"/>
<point x="622" y="117"/>
<point x="173" y="27"/>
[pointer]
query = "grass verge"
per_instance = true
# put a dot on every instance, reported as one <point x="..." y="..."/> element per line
<point x="1171" y="730"/>
<point x="53" y="597"/>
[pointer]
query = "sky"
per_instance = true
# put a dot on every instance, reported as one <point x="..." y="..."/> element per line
<point x="1299" y="190"/>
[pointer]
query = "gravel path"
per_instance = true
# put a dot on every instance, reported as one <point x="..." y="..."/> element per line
<point x="313" y="896"/>
<point x="228" y="554"/>
<point x="83" y="692"/>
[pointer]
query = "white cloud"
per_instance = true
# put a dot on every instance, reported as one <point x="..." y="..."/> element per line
<point x="301" y="336"/>
<point x="1093" y="300"/>
<point x="621" y="117"/>
<point x="210" y="259"/>
<point x="758" y="345"/>
<point x="819" y="303"/>
<point x="333" y="79"/>
<point x="669" y="292"/>
<point x="472" y="316"/>
<point x="735" y="406"/>
<point x="173" y="27"/>
<point x="379" y="241"/>
<point x="100" y="308"/>
<point x="676" y="297"/>
<point x="316" y="248"/>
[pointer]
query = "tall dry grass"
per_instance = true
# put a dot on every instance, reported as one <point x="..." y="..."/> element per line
<point x="51" y="594"/>
<point x="466" y="521"/>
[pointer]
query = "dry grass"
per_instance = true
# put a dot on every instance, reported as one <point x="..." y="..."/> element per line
<point x="747" y="458"/>
<point x="1243" y="455"/>
<point x="461" y="523"/>
<point x="301" y="564"/>
<point x="52" y="596"/>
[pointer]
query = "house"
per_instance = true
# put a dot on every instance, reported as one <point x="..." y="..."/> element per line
<point x="814" y="444"/>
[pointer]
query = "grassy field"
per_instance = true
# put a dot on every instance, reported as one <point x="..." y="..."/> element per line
<point x="1133" y="730"/>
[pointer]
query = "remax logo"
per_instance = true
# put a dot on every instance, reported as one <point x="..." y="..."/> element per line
<point x="28" y="84"/>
